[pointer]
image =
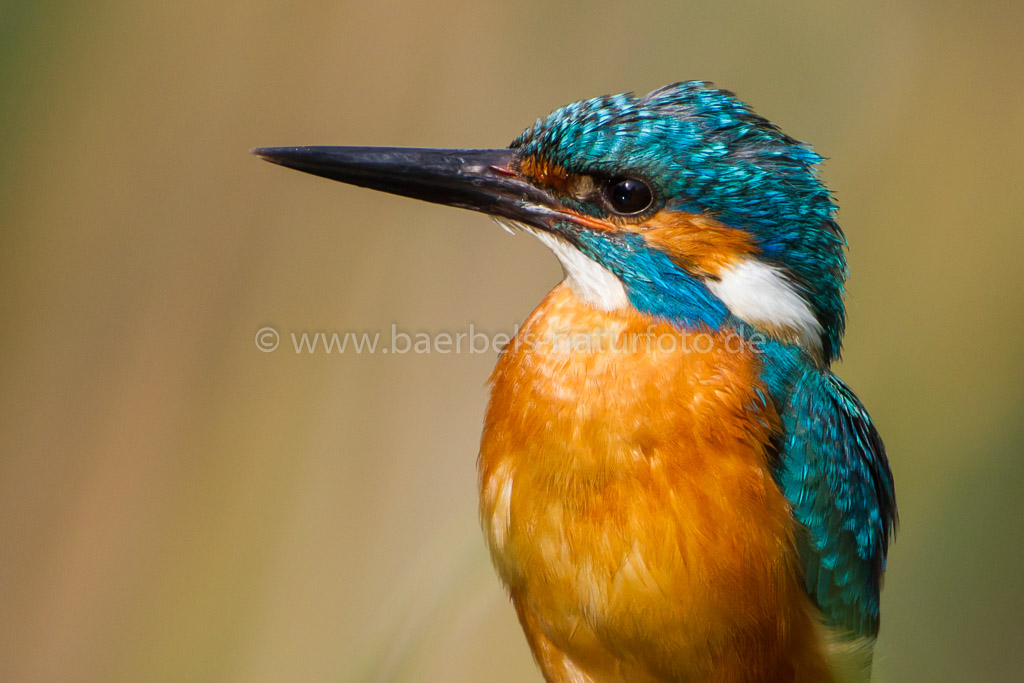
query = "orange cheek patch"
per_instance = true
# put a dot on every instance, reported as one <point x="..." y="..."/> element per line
<point x="697" y="243"/>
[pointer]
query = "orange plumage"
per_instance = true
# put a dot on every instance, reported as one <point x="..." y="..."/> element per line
<point x="618" y="485"/>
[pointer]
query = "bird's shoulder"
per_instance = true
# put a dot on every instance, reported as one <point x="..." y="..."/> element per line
<point x="832" y="467"/>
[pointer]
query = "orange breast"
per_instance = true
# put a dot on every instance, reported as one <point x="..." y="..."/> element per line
<point x="628" y="504"/>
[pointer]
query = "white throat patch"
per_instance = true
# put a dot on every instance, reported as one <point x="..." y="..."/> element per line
<point x="763" y="296"/>
<point x="755" y="292"/>
<point x="592" y="282"/>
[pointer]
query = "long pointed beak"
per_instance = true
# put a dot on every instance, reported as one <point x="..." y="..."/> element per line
<point x="476" y="179"/>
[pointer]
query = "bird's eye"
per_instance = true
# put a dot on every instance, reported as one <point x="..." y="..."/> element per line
<point x="627" y="195"/>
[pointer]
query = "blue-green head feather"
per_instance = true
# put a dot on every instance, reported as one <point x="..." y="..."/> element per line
<point x="704" y="151"/>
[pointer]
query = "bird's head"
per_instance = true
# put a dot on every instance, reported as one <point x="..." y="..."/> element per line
<point x="682" y="203"/>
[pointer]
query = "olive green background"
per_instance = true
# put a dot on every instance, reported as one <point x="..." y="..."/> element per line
<point x="176" y="505"/>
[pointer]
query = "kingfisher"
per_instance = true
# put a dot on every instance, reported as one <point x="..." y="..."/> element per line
<point x="674" y="486"/>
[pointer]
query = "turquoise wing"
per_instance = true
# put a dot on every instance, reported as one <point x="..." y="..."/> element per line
<point x="833" y="470"/>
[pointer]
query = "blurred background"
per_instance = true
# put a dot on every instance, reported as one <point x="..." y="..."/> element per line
<point x="178" y="505"/>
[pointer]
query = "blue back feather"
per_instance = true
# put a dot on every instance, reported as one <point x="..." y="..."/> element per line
<point x="832" y="467"/>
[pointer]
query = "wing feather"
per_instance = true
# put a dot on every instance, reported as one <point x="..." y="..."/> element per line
<point x="833" y="469"/>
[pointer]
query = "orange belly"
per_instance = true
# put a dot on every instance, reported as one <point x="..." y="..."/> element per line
<point x="629" y="507"/>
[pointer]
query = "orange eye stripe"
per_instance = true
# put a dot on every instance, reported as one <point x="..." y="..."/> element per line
<point x="546" y="174"/>
<point x="697" y="242"/>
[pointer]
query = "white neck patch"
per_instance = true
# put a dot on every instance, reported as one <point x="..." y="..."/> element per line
<point x="763" y="296"/>
<point x="755" y="292"/>
<point x="592" y="282"/>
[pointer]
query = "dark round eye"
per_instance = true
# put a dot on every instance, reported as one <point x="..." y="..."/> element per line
<point x="628" y="195"/>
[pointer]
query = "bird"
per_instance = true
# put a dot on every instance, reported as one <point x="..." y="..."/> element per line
<point x="673" y="483"/>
